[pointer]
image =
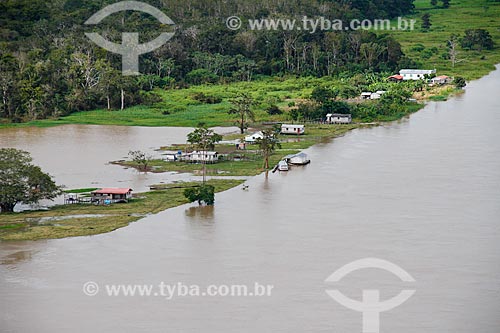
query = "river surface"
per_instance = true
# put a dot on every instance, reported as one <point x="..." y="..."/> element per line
<point x="78" y="156"/>
<point x="422" y="193"/>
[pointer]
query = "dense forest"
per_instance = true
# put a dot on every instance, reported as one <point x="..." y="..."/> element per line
<point x="48" y="67"/>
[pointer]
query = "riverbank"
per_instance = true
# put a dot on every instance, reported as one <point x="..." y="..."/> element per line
<point x="248" y="162"/>
<point x="183" y="107"/>
<point x="85" y="220"/>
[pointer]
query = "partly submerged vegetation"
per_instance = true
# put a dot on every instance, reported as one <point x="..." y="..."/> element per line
<point x="289" y="78"/>
<point x="86" y="219"/>
<point x="248" y="162"/>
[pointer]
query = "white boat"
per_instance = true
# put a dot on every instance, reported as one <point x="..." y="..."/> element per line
<point x="297" y="159"/>
<point x="283" y="166"/>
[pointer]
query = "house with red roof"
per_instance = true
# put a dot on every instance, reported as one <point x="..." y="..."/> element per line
<point x="111" y="195"/>
<point x="395" y="78"/>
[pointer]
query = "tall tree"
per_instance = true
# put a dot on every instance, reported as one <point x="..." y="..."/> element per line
<point x="453" y="52"/>
<point x="141" y="159"/>
<point x="242" y="107"/>
<point x="477" y="39"/>
<point x="21" y="181"/>
<point x="268" y="143"/>
<point x="203" y="139"/>
<point x="371" y="51"/>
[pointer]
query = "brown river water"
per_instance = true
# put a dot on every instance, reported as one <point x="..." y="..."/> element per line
<point x="422" y="193"/>
<point x="78" y="156"/>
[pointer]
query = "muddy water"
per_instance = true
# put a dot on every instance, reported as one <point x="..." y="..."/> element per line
<point x="78" y="156"/>
<point x="423" y="193"/>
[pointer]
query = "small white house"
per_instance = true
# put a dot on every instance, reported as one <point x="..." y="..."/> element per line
<point x="292" y="129"/>
<point x="443" y="79"/>
<point x="338" y="118"/>
<point x="252" y="138"/>
<point x="370" y="95"/>
<point x="415" y="74"/>
<point x="366" y="95"/>
<point x="200" y="156"/>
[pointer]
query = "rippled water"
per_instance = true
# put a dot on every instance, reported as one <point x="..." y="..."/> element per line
<point x="423" y="193"/>
<point x="78" y="155"/>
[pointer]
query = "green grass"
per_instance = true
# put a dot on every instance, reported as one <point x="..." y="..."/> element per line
<point x="179" y="108"/>
<point x="185" y="111"/>
<point x="81" y="190"/>
<point x="252" y="162"/>
<point x="250" y="166"/>
<point x="22" y="226"/>
<point x="462" y="15"/>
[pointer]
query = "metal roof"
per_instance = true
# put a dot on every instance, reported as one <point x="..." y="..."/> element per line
<point x="113" y="191"/>
<point x="417" y="71"/>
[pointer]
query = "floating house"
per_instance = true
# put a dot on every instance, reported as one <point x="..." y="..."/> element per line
<point x="111" y="195"/>
<point x="200" y="156"/>
<point x="415" y="74"/>
<point x="252" y="138"/>
<point x="283" y="166"/>
<point x="297" y="159"/>
<point x="338" y="118"/>
<point x="293" y="129"/>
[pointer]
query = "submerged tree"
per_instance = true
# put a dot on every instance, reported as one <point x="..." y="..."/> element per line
<point x="242" y="107"/>
<point x="141" y="159"/>
<point x="203" y="194"/>
<point x="203" y="139"/>
<point x="268" y="143"/>
<point x="21" y="181"/>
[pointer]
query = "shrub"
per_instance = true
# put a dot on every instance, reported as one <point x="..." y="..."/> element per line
<point x="200" y="76"/>
<point x="202" y="194"/>
<point x="459" y="82"/>
<point x="207" y="99"/>
<point x="150" y="98"/>
<point x="274" y="110"/>
<point x="418" y="48"/>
